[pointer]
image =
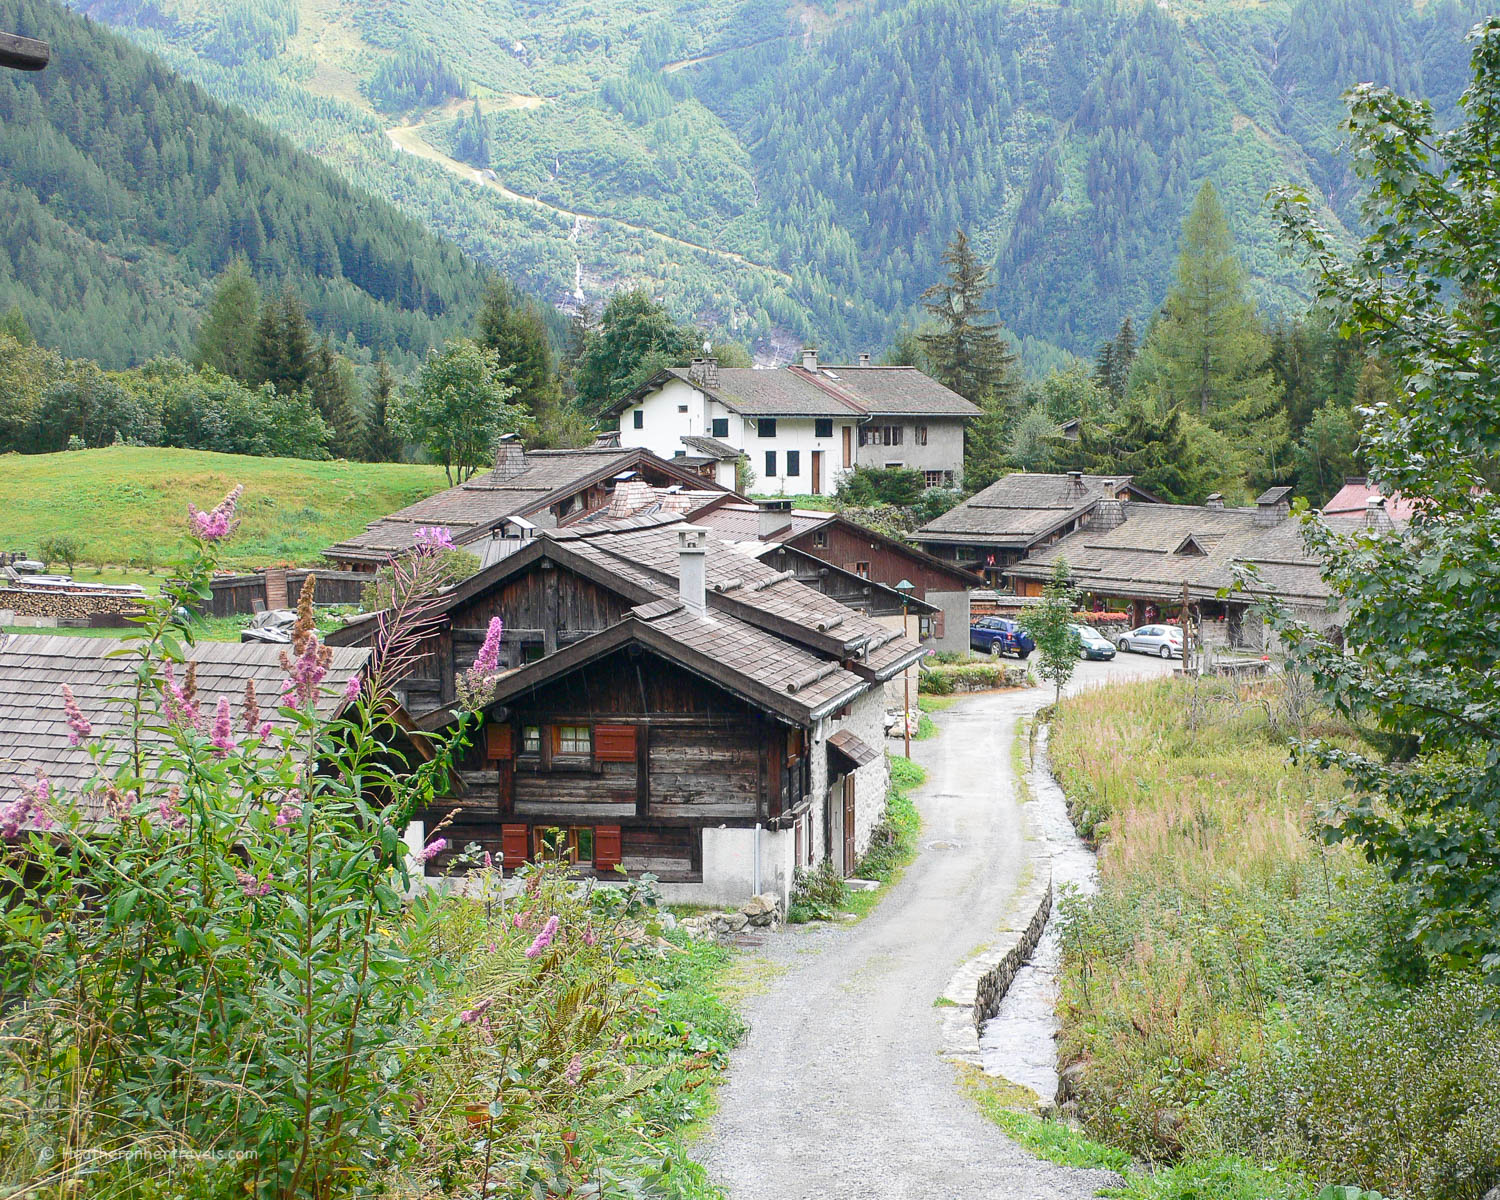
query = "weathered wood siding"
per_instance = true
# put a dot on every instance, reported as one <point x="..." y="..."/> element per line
<point x="546" y="608"/>
<point x="704" y="774"/>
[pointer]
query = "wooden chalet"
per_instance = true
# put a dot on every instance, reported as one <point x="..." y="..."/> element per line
<point x="1022" y="513"/>
<point x="528" y="490"/>
<point x="667" y="704"/>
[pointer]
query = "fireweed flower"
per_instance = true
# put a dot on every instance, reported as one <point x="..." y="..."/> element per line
<point x="432" y="850"/>
<point x="180" y="703"/>
<point x="250" y="885"/>
<point x="433" y="538"/>
<point x="223" y="730"/>
<point x="487" y="661"/>
<point x="288" y="813"/>
<point x="250" y="711"/>
<point x="573" y="1070"/>
<point x="218" y="524"/>
<point x="543" y="939"/>
<point x="78" y="725"/>
<point x="13" y="816"/>
<point x="351" y="689"/>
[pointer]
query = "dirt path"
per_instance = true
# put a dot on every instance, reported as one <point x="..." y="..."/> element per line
<point x="839" y="1090"/>
<point x="409" y="138"/>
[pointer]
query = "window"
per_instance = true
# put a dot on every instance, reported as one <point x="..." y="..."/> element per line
<point x="932" y="478"/>
<point x="640" y="418"/>
<point x="572" y="740"/>
<point x="862" y="569"/>
<point x="765" y="427"/>
<point x="793" y="462"/>
<point x="770" y="464"/>
<point x="820" y="539"/>
<point x="533" y="652"/>
<point x="880" y="435"/>
<point x="920" y="435"/>
<point x="682" y="408"/>
<point x="721" y="427"/>
<point x="531" y="739"/>
<point x="823" y="427"/>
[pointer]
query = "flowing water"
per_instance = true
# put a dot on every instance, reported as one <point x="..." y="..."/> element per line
<point x="1019" y="1042"/>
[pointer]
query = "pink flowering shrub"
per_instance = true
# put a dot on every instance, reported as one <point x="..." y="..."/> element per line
<point x="220" y="964"/>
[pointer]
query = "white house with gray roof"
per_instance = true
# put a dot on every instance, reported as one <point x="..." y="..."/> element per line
<point x="803" y="426"/>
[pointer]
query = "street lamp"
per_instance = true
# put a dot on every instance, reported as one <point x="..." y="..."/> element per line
<point x="23" y="53"/>
<point x="905" y="587"/>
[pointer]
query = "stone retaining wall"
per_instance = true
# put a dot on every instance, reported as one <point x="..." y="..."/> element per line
<point x="995" y="982"/>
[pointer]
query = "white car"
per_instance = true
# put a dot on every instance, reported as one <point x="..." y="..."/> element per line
<point x="1163" y="640"/>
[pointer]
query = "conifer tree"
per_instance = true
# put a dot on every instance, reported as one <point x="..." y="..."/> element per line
<point x="282" y="353"/>
<point x="381" y="441"/>
<point x="13" y="324"/>
<point x="966" y="349"/>
<point x="1116" y="357"/>
<point x="227" y="335"/>
<point x="331" y="383"/>
<point x="511" y="327"/>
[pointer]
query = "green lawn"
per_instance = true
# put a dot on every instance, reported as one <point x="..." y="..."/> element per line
<point x="128" y="504"/>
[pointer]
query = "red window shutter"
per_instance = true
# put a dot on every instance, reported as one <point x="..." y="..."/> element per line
<point x="513" y="844"/>
<point x="497" y="741"/>
<point x="937" y="623"/>
<point x="606" y="847"/>
<point x="614" y="743"/>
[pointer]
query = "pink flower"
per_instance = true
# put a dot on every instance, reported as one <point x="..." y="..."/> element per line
<point x="171" y="815"/>
<point x="288" y="814"/>
<point x="250" y="885"/>
<point x="264" y="731"/>
<point x="181" y="706"/>
<point x="543" y="939"/>
<point x="30" y="807"/>
<point x="78" y="726"/>
<point x="488" y="861"/>
<point x="351" y="689"/>
<point x="487" y="661"/>
<point x="217" y="525"/>
<point x="223" y="731"/>
<point x="250" y="712"/>
<point x="432" y="850"/>
<point x="471" y="1016"/>
<point x="519" y="919"/>
<point x="433" y="538"/>
<point x="305" y="672"/>
<point x="590" y="938"/>
<point x="573" y="1070"/>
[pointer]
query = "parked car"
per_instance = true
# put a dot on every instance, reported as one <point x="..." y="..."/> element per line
<point x="1092" y="643"/>
<point x="1165" y="640"/>
<point x="997" y="635"/>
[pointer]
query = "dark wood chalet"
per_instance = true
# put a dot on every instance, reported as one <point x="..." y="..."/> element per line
<point x="666" y="704"/>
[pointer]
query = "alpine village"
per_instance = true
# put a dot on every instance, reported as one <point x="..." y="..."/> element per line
<point x="744" y="600"/>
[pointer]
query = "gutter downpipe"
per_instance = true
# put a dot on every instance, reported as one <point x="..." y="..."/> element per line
<point x="757" y="858"/>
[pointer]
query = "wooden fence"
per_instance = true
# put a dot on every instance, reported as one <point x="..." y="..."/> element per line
<point x="245" y="595"/>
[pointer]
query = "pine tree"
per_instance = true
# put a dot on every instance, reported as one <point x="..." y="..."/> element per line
<point x="227" y="336"/>
<point x="331" y="383"/>
<point x="381" y="441"/>
<point x="511" y="327"/>
<point x="966" y="350"/>
<point x="13" y="324"/>
<point x="282" y="353"/>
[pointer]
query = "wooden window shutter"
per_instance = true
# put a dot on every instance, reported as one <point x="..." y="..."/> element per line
<point x="606" y="847"/>
<point x="497" y="742"/>
<point x="514" y="844"/>
<point x="937" y="623"/>
<point x="614" y="743"/>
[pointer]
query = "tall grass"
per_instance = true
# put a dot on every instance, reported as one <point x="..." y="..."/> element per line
<point x="1236" y="986"/>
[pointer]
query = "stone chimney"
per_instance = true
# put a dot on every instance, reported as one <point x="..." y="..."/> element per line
<point x="809" y="358"/>
<point x="510" y="457"/>
<point x="1216" y="501"/>
<point x="631" y="495"/>
<point x="1273" y="506"/>
<point x="1375" y="516"/>
<point x="775" y="517"/>
<point x="692" y="567"/>
<point x="864" y="358"/>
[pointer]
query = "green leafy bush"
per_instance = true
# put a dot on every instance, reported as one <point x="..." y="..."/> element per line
<point x="818" y="894"/>
<point x="979" y="676"/>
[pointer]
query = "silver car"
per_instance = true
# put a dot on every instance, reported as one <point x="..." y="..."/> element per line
<point x="1163" y="640"/>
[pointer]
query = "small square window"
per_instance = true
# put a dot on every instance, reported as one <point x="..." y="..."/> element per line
<point x="862" y="569"/>
<point x="574" y="740"/>
<point x="770" y="464"/>
<point x="640" y="418"/>
<point x="932" y="479"/>
<point x="682" y="408"/>
<point x="721" y="427"/>
<point x="823" y="427"/>
<point x="531" y="739"/>
<point x="793" y="462"/>
<point x="921" y="435"/>
<point x="765" y="427"/>
<point x="583" y="843"/>
<point x="820" y="539"/>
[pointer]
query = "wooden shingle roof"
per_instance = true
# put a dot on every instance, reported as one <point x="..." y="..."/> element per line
<point x="1021" y="508"/>
<point x="34" y="668"/>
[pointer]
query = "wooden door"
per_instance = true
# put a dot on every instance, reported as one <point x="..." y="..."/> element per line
<point x="817" y="472"/>
<point x="848" y="824"/>
<point x="848" y="446"/>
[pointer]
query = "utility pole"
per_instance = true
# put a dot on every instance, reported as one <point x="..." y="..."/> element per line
<point x="23" y="53"/>
<point x="905" y="587"/>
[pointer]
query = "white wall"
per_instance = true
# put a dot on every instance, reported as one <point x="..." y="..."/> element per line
<point x="663" y="426"/>
<point x="729" y="868"/>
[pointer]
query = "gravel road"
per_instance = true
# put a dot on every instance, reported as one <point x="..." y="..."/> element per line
<point x="838" y="1089"/>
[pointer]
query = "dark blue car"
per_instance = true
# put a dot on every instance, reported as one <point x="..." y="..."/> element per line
<point x="997" y="635"/>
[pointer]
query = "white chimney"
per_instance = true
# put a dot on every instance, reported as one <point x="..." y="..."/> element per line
<point x="1375" y="516"/>
<point x="775" y="517"/>
<point x="692" y="567"/>
<point x="1215" y="501"/>
<point x="864" y="358"/>
<point x="809" y="358"/>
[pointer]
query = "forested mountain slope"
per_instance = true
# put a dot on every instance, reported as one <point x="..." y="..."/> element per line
<point x="794" y="172"/>
<point x="124" y="189"/>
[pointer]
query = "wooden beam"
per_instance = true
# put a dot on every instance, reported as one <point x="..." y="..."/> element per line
<point x="23" y="53"/>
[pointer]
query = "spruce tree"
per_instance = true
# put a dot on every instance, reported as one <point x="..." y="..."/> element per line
<point x="966" y="349"/>
<point x="331" y="383"/>
<point x="282" y="353"/>
<point x="381" y="441"/>
<point x="227" y="336"/>
<point x="512" y="328"/>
